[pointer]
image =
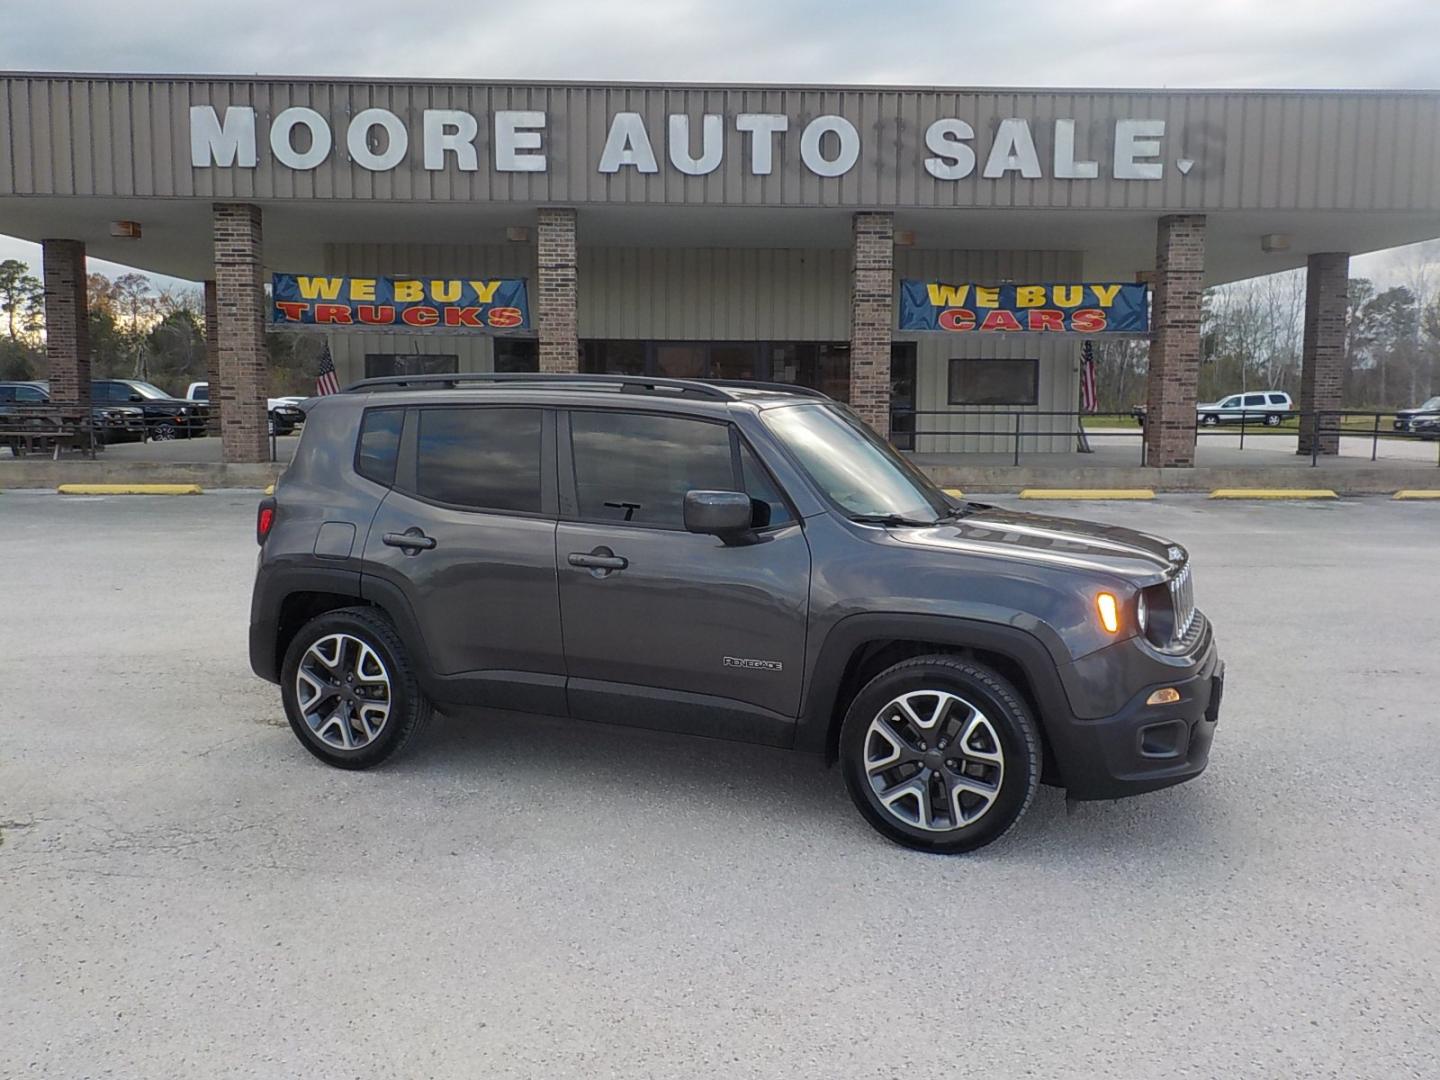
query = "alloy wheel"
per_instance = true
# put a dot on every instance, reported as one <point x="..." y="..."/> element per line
<point x="162" y="432"/>
<point x="343" y="691"/>
<point x="934" y="760"/>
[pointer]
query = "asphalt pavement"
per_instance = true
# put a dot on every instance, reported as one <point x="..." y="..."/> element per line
<point x="184" y="892"/>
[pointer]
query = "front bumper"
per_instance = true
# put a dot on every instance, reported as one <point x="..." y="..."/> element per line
<point x="1141" y="747"/>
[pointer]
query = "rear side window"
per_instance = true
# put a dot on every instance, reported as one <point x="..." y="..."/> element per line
<point x="1254" y="399"/>
<point x="1279" y="399"/>
<point x="480" y="458"/>
<point x="637" y="468"/>
<point x="379" y="445"/>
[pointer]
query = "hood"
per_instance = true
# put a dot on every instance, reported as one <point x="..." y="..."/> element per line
<point x="1064" y="543"/>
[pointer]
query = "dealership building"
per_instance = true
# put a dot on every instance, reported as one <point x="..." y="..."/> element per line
<point x="752" y="232"/>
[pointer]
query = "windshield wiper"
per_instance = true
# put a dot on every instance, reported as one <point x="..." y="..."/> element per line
<point x="898" y="520"/>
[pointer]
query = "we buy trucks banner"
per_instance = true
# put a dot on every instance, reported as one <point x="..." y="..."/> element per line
<point x="1115" y="308"/>
<point x="497" y="305"/>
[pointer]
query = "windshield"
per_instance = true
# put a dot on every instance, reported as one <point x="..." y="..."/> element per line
<point x="857" y="471"/>
<point x="1433" y="405"/>
<point x="145" y="389"/>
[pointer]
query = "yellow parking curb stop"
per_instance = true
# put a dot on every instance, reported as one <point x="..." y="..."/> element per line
<point x="129" y="489"/>
<point x="1087" y="493"/>
<point x="1273" y="493"/>
<point x="1418" y="493"/>
<point x="954" y="493"/>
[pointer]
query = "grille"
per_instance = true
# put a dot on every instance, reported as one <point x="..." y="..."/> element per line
<point x="1182" y="600"/>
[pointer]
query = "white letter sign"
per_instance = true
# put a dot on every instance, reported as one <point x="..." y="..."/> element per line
<point x="229" y="143"/>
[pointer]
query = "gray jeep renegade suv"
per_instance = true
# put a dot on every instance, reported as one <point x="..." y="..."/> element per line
<point x="742" y="561"/>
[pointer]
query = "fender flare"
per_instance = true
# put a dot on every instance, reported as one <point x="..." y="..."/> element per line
<point x="818" y="717"/>
<point x="280" y="583"/>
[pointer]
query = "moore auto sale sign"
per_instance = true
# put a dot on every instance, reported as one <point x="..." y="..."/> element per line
<point x="518" y="141"/>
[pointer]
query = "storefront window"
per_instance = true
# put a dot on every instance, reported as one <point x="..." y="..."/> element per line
<point x="391" y="365"/>
<point x="821" y="365"/>
<point x="517" y="354"/>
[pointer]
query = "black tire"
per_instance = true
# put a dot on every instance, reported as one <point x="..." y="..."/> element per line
<point x="163" y="432"/>
<point x="409" y="707"/>
<point x="1211" y="420"/>
<point x="1272" y="420"/>
<point x="1008" y="717"/>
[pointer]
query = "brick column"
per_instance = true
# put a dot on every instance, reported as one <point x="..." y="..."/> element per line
<point x="556" y="322"/>
<point x="240" y="333"/>
<point x="67" y="337"/>
<point x="872" y="293"/>
<point x="212" y="356"/>
<point x="1322" y="372"/>
<point x="1175" y="341"/>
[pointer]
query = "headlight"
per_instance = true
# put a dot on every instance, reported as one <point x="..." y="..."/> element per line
<point x="1142" y="613"/>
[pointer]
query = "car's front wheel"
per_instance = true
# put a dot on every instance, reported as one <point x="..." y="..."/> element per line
<point x="940" y="753"/>
<point x="349" y="689"/>
<point x="1210" y="420"/>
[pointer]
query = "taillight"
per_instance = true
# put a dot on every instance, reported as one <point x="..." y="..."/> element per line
<point x="264" y="520"/>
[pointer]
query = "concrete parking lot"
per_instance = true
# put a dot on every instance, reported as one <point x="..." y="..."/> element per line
<point x="184" y="892"/>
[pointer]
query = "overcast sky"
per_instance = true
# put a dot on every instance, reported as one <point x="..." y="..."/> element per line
<point x="1099" y="43"/>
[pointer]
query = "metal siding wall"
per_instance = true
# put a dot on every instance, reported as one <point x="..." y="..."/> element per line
<point x="716" y="294"/>
<point x="1058" y="354"/>
<point x="1266" y="150"/>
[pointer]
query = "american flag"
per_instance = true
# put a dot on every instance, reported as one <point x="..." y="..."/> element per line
<point x="1088" y="398"/>
<point x="325" y="381"/>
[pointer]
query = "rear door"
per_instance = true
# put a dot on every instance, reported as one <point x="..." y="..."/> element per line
<point x="467" y="534"/>
<point x="681" y="631"/>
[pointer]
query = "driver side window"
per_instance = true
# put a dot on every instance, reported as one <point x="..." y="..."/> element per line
<point x="636" y="468"/>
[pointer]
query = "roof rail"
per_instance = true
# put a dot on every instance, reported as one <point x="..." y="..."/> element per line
<point x="714" y="389"/>
<point x="775" y="387"/>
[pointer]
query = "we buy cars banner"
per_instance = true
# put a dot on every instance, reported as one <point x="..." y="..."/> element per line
<point x="1113" y="308"/>
<point x="497" y="305"/>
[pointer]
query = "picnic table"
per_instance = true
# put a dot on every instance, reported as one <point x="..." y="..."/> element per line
<point x="29" y="429"/>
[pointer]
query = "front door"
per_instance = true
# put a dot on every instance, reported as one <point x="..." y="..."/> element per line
<point x="665" y="628"/>
<point x="467" y="534"/>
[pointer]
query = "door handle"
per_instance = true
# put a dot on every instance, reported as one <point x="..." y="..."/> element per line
<point x="598" y="562"/>
<point x="411" y="541"/>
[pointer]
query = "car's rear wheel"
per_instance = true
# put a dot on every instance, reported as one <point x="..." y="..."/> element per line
<point x="163" y="432"/>
<point x="349" y="689"/>
<point x="1272" y="420"/>
<point x="940" y="754"/>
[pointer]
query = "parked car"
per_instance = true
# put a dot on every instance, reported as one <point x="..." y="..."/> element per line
<point x="740" y="561"/>
<point x="285" y="414"/>
<point x="1270" y="407"/>
<point x="1424" y="419"/>
<point x="166" y="417"/>
<point x="113" y="423"/>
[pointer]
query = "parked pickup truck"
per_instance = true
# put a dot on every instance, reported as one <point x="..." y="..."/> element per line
<point x="285" y="414"/>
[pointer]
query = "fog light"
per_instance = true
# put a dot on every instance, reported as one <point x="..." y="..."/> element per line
<point x="1168" y="696"/>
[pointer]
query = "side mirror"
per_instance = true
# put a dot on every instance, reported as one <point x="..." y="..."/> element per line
<point x="725" y="514"/>
<point x="136" y="397"/>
